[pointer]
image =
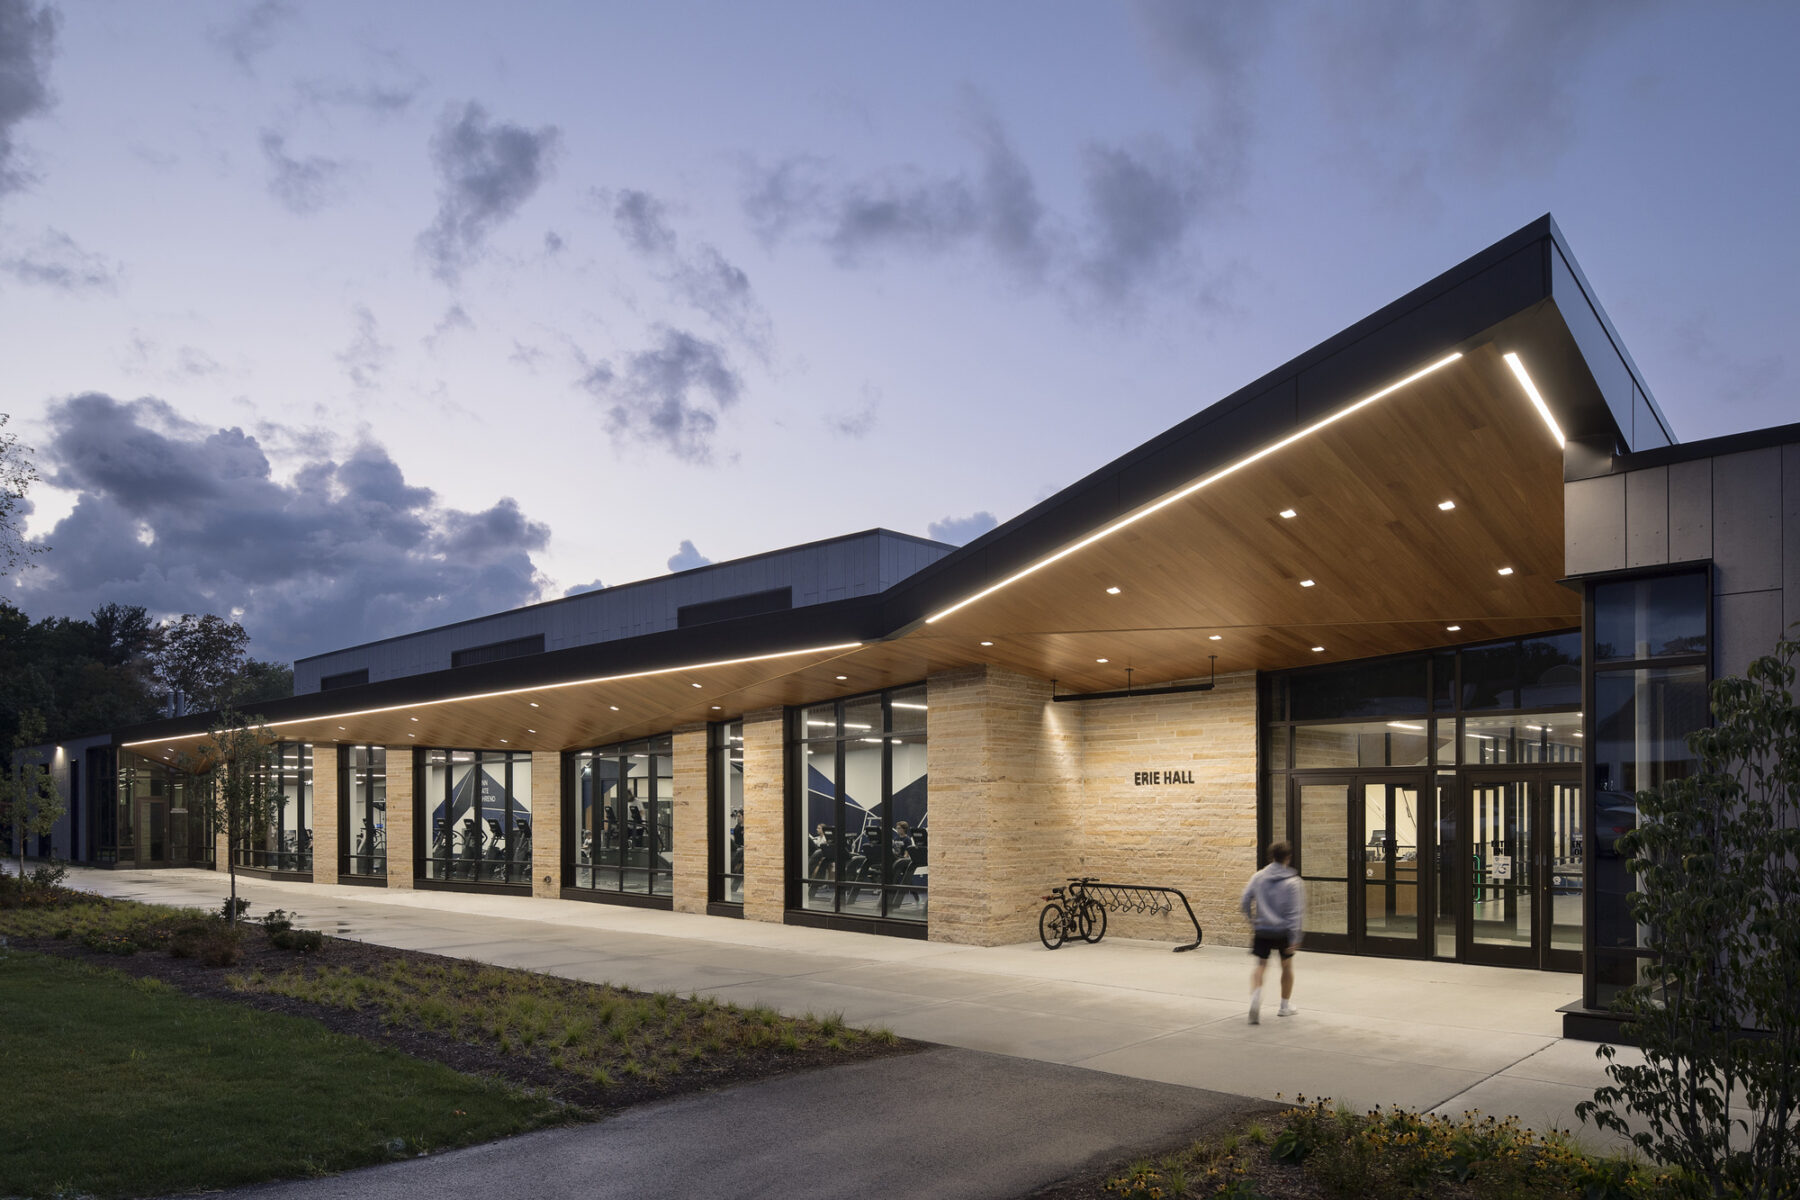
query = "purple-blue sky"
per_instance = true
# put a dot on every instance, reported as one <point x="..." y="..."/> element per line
<point x="353" y="318"/>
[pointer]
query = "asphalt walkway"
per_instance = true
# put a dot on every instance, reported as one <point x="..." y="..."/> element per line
<point x="1428" y="1035"/>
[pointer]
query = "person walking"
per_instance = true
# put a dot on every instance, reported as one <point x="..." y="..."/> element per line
<point x="1276" y="906"/>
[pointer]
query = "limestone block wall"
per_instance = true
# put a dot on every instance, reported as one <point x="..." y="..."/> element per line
<point x="1004" y="796"/>
<point x="546" y="822"/>
<point x="325" y="813"/>
<point x="401" y="802"/>
<point x="690" y="857"/>
<point x="765" y="816"/>
<point x="1199" y="837"/>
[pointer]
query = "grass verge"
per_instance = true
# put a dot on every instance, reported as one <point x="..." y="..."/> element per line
<point x="126" y="1087"/>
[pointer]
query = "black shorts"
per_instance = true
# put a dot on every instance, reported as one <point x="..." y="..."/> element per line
<point x="1266" y="942"/>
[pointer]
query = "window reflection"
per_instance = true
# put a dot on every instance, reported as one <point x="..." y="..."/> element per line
<point x="478" y="813"/>
<point x="284" y="841"/>
<point x="624" y="817"/>
<point x="363" y="785"/>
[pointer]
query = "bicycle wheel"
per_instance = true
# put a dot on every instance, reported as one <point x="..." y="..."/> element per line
<point x="1093" y="921"/>
<point x="1052" y="926"/>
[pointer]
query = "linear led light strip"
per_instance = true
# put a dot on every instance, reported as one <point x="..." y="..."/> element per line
<point x="1191" y="488"/>
<point x="1518" y="369"/>
<point x="544" y="687"/>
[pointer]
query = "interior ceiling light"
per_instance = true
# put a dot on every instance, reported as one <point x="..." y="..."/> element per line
<point x="1404" y="725"/>
<point x="685" y="669"/>
<point x="1446" y="505"/>
<point x="1191" y="488"/>
<point x="1288" y="514"/>
<point x="1112" y="591"/>
<point x="906" y="704"/>
<point x="1518" y="368"/>
<point x="1506" y="570"/>
<point x="1306" y="583"/>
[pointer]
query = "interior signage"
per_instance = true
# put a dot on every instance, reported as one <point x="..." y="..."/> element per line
<point x="1154" y="778"/>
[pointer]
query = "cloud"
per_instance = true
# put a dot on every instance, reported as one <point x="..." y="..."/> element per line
<point x="254" y="31"/>
<point x="56" y="261"/>
<point x="669" y="395"/>
<point x="1140" y="214"/>
<point x="486" y="172"/>
<point x="455" y="317"/>
<point x="553" y="242"/>
<point x="704" y="280"/>
<point x="526" y="356"/>
<point x="181" y="517"/>
<point x="959" y="531"/>
<point x="367" y="356"/>
<point x="857" y="422"/>
<point x="593" y="585"/>
<point x="687" y="558"/>
<point x="371" y="98"/>
<point x="303" y="185"/>
<point x="27" y="41"/>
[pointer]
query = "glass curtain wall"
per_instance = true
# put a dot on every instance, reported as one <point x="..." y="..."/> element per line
<point x="863" y="828"/>
<point x="151" y="820"/>
<point x="1341" y="742"/>
<point x="1650" y="667"/>
<point x="284" y="842"/>
<point x="362" y="782"/>
<point x="725" y="783"/>
<point x="477" y="816"/>
<point x="623" y="816"/>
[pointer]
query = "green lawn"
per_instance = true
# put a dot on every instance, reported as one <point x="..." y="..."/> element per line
<point x="123" y="1087"/>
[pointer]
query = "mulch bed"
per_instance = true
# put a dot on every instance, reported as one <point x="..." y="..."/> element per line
<point x="517" y="1067"/>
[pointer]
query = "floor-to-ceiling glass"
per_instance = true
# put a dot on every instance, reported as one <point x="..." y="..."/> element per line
<point x="725" y="804"/>
<point x="622" y="806"/>
<point x="362" y="783"/>
<point x="476" y="807"/>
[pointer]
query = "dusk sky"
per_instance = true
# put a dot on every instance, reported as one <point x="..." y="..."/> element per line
<point x="356" y="318"/>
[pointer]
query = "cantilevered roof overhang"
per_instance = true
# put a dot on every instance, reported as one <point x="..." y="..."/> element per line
<point x="1421" y="453"/>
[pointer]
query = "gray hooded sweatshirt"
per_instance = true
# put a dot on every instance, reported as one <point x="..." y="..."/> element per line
<point x="1274" y="902"/>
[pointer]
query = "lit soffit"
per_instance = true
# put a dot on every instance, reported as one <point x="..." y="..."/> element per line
<point x="534" y="690"/>
<point x="1203" y="482"/>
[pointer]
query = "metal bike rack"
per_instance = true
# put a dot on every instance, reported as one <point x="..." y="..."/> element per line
<point x="1137" y="898"/>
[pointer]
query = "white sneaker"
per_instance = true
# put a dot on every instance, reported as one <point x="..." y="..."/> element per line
<point x="1287" y="1010"/>
<point x="1255" y="1015"/>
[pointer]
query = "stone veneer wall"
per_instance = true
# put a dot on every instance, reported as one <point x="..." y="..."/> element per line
<point x="1026" y="792"/>
<point x="401" y="801"/>
<point x="546" y="823"/>
<point x="765" y="816"/>
<point x="1199" y="837"/>
<point x="1004" y="782"/>
<point x="325" y="813"/>
<point x="690" y="858"/>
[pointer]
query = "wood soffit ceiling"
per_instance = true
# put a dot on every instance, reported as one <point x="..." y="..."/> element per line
<point x="1390" y="572"/>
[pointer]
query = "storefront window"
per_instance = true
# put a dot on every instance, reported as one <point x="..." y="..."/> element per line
<point x="1542" y="738"/>
<point x="863" y="815"/>
<point x="284" y="843"/>
<point x="477" y="806"/>
<point x="1364" y="744"/>
<point x="726" y="803"/>
<point x="363" y="785"/>
<point x="624" y="816"/>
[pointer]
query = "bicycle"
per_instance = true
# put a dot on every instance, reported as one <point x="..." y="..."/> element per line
<point x="1071" y="912"/>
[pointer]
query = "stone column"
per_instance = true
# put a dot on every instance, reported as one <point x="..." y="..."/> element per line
<point x="765" y="816"/>
<point x="693" y="865"/>
<point x="400" y="804"/>
<point x="325" y="813"/>
<point x="546" y="824"/>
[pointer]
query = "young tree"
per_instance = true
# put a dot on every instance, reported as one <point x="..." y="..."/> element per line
<point x="29" y="801"/>
<point x="230" y="771"/>
<point x="199" y="657"/>
<point x="1717" y="857"/>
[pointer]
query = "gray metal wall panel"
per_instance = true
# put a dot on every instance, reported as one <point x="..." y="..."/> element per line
<point x="1690" y="510"/>
<point x="1647" y="517"/>
<point x="1790" y="539"/>
<point x="1748" y="625"/>
<point x="1747" y="521"/>
<point x="1594" y="524"/>
<point x="854" y="566"/>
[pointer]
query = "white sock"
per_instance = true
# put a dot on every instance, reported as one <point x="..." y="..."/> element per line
<point x="1255" y="998"/>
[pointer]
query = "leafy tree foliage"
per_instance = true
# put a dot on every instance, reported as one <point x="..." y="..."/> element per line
<point x="199" y="658"/>
<point x="29" y="801"/>
<point x="81" y="676"/>
<point x="16" y="475"/>
<point x="1717" y="858"/>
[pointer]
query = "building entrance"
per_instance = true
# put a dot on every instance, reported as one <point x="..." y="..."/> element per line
<point x="1362" y="847"/>
<point x="1517" y="882"/>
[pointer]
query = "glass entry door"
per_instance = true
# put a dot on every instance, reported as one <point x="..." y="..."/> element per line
<point x="1521" y="886"/>
<point x="1362" y="846"/>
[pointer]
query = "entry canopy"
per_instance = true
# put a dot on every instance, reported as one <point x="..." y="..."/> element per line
<point x="1398" y="487"/>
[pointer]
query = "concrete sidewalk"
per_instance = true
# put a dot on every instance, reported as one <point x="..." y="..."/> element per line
<point x="1370" y="1031"/>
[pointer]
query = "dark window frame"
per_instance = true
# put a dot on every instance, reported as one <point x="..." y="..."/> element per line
<point x="377" y="866"/>
<point x="462" y="873"/>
